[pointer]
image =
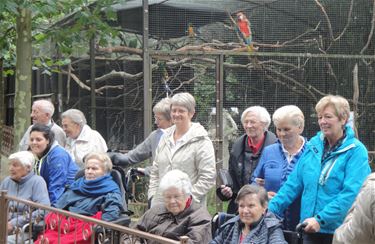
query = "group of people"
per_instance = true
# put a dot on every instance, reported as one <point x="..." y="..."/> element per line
<point x="277" y="180"/>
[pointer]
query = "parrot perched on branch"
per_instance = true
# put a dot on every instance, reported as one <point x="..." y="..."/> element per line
<point x="244" y="30"/>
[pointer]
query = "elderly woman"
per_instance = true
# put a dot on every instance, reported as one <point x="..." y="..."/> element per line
<point x="187" y="147"/>
<point x="81" y="139"/>
<point x="95" y="195"/>
<point x="53" y="163"/>
<point x="178" y="215"/>
<point x="147" y="149"/>
<point x="328" y="175"/>
<point x="254" y="224"/>
<point x="246" y="152"/>
<point x="23" y="183"/>
<point x="279" y="159"/>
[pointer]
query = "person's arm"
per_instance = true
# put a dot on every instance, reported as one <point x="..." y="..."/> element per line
<point x="359" y="223"/>
<point x="356" y="171"/>
<point x="259" y="170"/>
<point x="205" y="161"/>
<point x="290" y="190"/>
<point x="112" y="207"/>
<point x="142" y="151"/>
<point x="58" y="173"/>
<point x="223" y="192"/>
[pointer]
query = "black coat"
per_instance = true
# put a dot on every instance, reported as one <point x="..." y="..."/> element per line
<point x="241" y="171"/>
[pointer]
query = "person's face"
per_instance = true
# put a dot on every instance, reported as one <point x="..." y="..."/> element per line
<point x="254" y="128"/>
<point x="329" y="123"/>
<point x="38" y="143"/>
<point x="161" y="122"/>
<point x="288" y="133"/>
<point x="17" y="170"/>
<point x="175" y="200"/>
<point x="70" y="128"/>
<point x="94" y="169"/>
<point x="249" y="209"/>
<point x="180" y="115"/>
<point x="38" y="116"/>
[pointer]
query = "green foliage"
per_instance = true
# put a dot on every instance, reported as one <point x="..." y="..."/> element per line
<point x="65" y="24"/>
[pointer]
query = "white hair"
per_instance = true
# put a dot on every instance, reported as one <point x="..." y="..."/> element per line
<point x="76" y="116"/>
<point x="260" y="112"/>
<point x="289" y="113"/>
<point x="177" y="179"/>
<point x="26" y="158"/>
<point x="45" y="106"/>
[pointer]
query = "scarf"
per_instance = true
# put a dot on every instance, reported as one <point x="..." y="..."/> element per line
<point x="95" y="188"/>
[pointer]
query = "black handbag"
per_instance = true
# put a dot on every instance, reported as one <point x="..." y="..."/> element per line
<point x="225" y="178"/>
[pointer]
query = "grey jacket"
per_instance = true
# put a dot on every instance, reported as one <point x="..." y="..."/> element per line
<point x="195" y="157"/>
<point x="267" y="231"/>
<point x="194" y="222"/>
<point x="358" y="227"/>
<point x="57" y="130"/>
<point x="31" y="187"/>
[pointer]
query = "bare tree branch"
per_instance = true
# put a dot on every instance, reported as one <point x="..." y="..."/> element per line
<point x="369" y="38"/>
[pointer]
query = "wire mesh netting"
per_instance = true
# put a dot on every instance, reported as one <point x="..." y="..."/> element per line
<point x="274" y="53"/>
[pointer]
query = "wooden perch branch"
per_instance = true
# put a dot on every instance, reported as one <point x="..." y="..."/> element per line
<point x="120" y="49"/>
<point x="84" y="86"/>
<point x="118" y="75"/>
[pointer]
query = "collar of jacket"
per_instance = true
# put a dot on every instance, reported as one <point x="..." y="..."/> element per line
<point x="164" y="212"/>
<point x="316" y="144"/>
<point x="25" y="178"/>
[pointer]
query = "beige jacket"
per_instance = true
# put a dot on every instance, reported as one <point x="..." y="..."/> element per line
<point x="88" y="141"/>
<point x="195" y="157"/>
<point x="359" y="224"/>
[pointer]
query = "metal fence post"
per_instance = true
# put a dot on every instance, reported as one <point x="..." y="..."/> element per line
<point x="3" y="217"/>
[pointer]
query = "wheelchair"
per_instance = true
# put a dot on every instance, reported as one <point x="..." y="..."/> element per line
<point x="119" y="177"/>
<point x="292" y="237"/>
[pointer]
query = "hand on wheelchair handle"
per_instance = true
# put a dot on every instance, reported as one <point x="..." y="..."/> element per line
<point x="118" y="159"/>
<point x="300" y="227"/>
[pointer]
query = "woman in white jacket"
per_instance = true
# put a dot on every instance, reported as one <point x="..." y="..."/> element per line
<point x="187" y="147"/>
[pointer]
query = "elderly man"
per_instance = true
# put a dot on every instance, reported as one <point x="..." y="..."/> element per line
<point x="246" y="152"/>
<point x="41" y="113"/>
<point x="81" y="139"/>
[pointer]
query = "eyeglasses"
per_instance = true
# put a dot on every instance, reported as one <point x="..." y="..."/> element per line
<point x="174" y="198"/>
<point x="158" y="118"/>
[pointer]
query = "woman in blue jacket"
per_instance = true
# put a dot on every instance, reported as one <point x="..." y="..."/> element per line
<point x="329" y="173"/>
<point x="278" y="160"/>
<point x="53" y="163"/>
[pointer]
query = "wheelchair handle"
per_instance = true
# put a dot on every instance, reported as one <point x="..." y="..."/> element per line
<point x="300" y="227"/>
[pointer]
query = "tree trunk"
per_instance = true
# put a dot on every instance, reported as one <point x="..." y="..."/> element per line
<point x="2" y="96"/>
<point x="22" y="101"/>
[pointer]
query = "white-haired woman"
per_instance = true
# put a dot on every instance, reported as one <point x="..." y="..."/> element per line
<point x="329" y="173"/>
<point x="81" y="139"/>
<point x="187" y="147"/>
<point x="96" y="195"/>
<point x="246" y="152"/>
<point x="279" y="159"/>
<point x="178" y="215"/>
<point x="23" y="183"/>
